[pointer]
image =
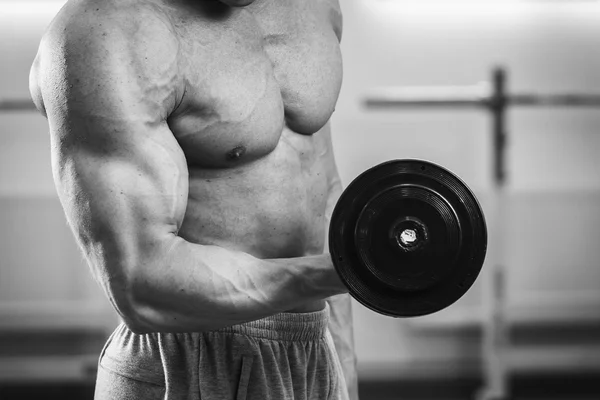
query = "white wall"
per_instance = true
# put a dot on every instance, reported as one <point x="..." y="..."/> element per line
<point x="553" y="159"/>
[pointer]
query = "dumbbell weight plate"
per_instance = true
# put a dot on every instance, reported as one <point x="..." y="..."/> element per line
<point x="408" y="238"/>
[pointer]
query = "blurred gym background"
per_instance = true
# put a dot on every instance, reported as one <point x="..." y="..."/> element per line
<point x="543" y="341"/>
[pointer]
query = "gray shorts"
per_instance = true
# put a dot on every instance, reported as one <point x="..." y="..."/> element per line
<point x="286" y="356"/>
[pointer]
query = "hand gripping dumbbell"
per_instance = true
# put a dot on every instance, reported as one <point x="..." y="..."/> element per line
<point x="408" y="238"/>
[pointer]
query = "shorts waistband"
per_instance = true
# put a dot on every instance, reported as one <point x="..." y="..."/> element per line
<point x="285" y="326"/>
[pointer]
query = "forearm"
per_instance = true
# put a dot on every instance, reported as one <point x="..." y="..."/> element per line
<point x="198" y="288"/>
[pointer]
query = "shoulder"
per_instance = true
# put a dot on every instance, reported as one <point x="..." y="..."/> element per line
<point x="86" y="26"/>
<point x="85" y="19"/>
<point x="95" y="44"/>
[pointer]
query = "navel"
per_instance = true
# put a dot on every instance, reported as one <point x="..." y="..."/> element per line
<point x="236" y="153"/>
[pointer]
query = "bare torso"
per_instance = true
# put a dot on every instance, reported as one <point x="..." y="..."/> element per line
<point x="262" y="83"/>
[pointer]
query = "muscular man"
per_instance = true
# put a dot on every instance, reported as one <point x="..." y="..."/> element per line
<point x="191" y="151"/>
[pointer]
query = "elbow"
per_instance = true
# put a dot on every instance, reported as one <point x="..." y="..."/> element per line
<point x="141" y="294"/>
<point x="136" y="326"/>
<point x="135" y="316"/>
<point x="141" y="319"/>
<point x="145" y="294"/>
<point x="130" y="300"/>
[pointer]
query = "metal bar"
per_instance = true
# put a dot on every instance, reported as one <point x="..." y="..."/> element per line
<point x="430" y="96"/>
<point x="16" y="105"/>
<point x="471" y="96"/>
<point x="421" y="103"/>
<point x="498" y="105"/>
<point x="555" y="100"/>
<point x="495" y="340"/>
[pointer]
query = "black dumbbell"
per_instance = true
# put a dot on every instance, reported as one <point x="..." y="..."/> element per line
<point x="408" y="238"/>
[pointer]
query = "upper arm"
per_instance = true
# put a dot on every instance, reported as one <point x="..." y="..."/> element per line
<point x="119" y="172"/>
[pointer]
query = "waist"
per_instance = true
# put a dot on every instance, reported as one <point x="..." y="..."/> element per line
<point x="287" y="326"/>
<point x="313" y="306"/>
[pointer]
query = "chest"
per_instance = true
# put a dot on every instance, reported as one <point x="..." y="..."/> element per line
<point x="251" y="73"/>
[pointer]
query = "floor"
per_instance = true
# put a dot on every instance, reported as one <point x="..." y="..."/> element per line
<point x="576" y="387"/>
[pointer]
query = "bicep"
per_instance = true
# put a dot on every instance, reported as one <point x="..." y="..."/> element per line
<point x="123" y="206"/>
<point x="121" y="195"/>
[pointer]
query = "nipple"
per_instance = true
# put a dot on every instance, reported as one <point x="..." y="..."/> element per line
<point x="236" y="153"/>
